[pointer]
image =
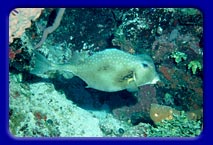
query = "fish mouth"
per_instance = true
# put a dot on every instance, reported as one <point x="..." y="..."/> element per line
<point x="155" y="80"/>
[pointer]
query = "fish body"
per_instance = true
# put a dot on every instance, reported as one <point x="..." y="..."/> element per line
<point x="113" y="70"/>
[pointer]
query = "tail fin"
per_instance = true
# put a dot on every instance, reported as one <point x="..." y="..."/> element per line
<point x="40" y="64"/>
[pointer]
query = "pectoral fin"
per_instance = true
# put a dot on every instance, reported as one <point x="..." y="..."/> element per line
<point x="132" y="86"/>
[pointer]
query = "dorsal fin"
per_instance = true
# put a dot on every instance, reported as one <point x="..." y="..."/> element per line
<point x="79" y="57"/>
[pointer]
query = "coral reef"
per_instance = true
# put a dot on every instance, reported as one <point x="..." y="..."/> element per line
<point x="179" y="56"/>
<point x="194" y="66"/>
<point x="38" y="110"/>
<point x="139" y="111"/>
<point x="20" y="19"/>
<point x="180" y="126"/>
<point x="158" y="113"/>
<point x="56" y="105"/>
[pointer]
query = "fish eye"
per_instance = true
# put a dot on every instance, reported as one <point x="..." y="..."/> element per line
<point x="145" y="65"/>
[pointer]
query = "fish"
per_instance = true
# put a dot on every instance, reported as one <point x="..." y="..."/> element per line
<point x="109" y="70"/>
